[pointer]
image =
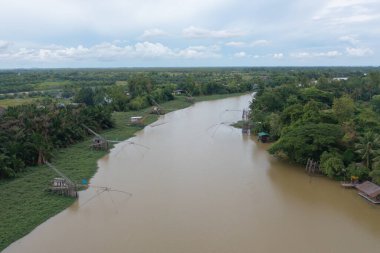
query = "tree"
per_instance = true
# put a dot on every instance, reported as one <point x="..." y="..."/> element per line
<point x="332" y="165"/>
<point x="375" y="174"/>
<point x="308" y="140"/>
<point x="375" y="102"/>
<point x="86" y="96"/>
<point x="275" y="125"/>
<point x="344" y="108"/>
<point x="368" y="148"/>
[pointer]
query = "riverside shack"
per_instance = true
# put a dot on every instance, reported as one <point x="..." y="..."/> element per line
<point x="369" y="191"/>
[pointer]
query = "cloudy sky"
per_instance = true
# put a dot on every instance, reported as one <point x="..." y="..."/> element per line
<point x="150" y="33"/>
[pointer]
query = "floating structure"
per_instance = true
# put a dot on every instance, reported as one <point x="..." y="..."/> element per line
<point x="312" y="167"/>
<point x="263" y="137"/>
<point x="369" y="191"/>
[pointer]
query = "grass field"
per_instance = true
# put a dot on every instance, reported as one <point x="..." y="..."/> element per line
<point x="17" y="101"/>
<point x="25" y="201"/>
<point x="51" y="85"/>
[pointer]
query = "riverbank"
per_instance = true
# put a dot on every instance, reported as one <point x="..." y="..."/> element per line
<point x="25" y="203"/>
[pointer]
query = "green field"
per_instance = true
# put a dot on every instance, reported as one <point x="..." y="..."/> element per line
<point x="17" y="101"/>
<point x="51" y="85"/>
<point x="25" y="201"/>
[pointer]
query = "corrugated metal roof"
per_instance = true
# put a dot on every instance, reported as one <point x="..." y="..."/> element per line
<point x="369" y="188"/>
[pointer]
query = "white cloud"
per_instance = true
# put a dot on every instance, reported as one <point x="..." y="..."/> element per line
<point x="346" y="12"/>
<point x="152" y="50"/>
<point x="199" y="52"/>
<point x="198" y="33"/>
<point x="350" y="39"/>
<point x="255" y="43"/>
<point x="240" y="55"/>
<point x="152" y="33"/>
<point x="278" y="55"/>
<point x="110" y="52"/>
<point x="359" y="52"/>
<point x="112" y="17"/>
<point x="303" y="55"/>
<point x="4" y="44"/>
<point x="235" y="44"/>
<point x="259" y="43"/>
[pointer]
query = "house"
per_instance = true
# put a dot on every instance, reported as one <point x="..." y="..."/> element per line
<point x="369" y="191"/>
<point x="179" y="92"/>
<point x="340" y="79"/>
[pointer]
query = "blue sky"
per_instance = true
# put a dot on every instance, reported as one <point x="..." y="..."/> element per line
<point x="162" y="33"/>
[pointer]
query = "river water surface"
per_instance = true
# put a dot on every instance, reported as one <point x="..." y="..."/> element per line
<point x="204" y="187"/>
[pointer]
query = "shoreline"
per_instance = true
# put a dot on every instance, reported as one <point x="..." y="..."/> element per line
<point x="26" y="203"/>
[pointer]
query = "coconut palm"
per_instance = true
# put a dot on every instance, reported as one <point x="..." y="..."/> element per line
<point x="368" y="147"/>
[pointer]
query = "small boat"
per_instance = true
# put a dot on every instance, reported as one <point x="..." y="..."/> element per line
<point x="349" y="184"/>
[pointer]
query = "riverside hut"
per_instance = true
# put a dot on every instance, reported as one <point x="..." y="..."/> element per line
<point x="137" y="120"/>
<point x="369" y="191"/>
<point x="263" y="137"/>
<point x="99" y="143"/>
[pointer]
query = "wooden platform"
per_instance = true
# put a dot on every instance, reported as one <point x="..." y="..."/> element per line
<point x="373" y="201"/>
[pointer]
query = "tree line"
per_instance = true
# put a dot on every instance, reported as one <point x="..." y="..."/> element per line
<point x="335" y="122"/>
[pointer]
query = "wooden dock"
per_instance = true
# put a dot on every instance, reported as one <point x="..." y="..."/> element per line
<point x="312" y="167"/>
<point x="373" y="201"/>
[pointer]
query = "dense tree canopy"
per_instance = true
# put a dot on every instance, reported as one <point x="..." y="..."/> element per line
<point x="329" y="120"/>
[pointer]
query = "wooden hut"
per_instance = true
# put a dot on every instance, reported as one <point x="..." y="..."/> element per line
<point x="263" y="137"/>
<point x="137" y="120"/>
<point x="99" y="143"/>
<point x="369" y="191"/>
<point x="64" y="186"/>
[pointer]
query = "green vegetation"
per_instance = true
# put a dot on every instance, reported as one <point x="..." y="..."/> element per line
<point x="331" y="121"/>
<point x="17" y="101"/>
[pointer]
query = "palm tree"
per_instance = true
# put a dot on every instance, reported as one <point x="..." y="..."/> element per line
<point x="368" y="147"/>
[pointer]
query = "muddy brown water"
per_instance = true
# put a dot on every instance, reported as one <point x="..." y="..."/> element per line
<point x="204" y="187"/>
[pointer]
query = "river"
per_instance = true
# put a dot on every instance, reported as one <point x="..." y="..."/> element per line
<point x="200" y="186"/>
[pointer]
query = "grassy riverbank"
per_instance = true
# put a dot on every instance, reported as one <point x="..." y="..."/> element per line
<point x="25" y="203"/>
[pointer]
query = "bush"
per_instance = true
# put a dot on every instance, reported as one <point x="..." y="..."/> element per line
<point x="332" y="165"/>
<point x="357" y="171"/>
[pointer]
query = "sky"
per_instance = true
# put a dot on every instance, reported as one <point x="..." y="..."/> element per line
<point x="188" y="33"/>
